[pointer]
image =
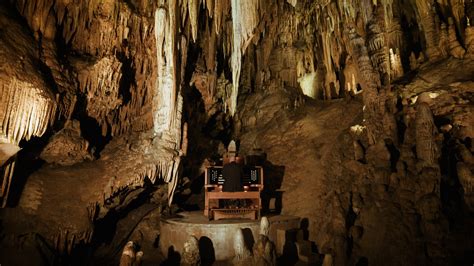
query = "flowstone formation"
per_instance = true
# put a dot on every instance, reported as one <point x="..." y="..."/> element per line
<point x="362" y="111"/>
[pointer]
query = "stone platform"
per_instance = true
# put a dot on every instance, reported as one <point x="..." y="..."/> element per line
<point x="216" y="238"/>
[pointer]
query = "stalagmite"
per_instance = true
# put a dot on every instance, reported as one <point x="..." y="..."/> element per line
<point x="242" y="254"/>
<point x="191" y="255"/>
<point x="426" y="147"/>
<point x="371" y="82"/>
<point x="264" y="249"/>
<point x="130" y="257"/>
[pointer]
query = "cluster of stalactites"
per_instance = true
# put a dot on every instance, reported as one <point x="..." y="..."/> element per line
<point x="172" y="39"/>
<point x="234" y="25"/>
<point x="25" y="111"/>
<point x="110" y="29"/>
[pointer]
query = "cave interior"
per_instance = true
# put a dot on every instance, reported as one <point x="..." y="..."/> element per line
<point x="361" y="113"/>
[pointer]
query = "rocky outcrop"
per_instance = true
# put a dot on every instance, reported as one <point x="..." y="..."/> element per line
<point x="67" y="147"/>
<point x="191" y="255"/>
<point x="242" y="255"/>
<point x="130" y="256"/>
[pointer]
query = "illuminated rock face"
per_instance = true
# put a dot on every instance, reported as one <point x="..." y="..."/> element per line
<point x="67" y="147"/>
<point x="26" y="105"/>
<point x="128" y="95"/>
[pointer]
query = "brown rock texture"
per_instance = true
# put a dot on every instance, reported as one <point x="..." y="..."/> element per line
<point x="362" y="111"/>
<point x="67" y="147"/>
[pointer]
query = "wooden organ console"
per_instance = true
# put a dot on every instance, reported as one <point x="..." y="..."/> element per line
<point x="252" y="186"/>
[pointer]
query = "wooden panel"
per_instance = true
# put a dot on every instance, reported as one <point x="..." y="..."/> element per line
<point x="234" y="195"/>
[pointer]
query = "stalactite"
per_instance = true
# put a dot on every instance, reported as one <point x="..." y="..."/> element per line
<point x="330" y="76"/>
<point x="100" y="83"/>
<point x="455" y="49"/>
<point x="377" y="48"/>
<point x="245" y="17"/>
<point x="388" y="12"/>
<point x="396" y="69"/>
<point x="166" y="87"/>
<point x="366" y="9"/>
<point x="395" y="35"/>
<point x="457" y="7"/>
<point x="443" y="40"/>
<point x="426" y="18"/>
<point x="25" y="111"/>
<point x="292" y="2"/>
<point x="193" y="8"/>
<point x="221" y="9"/>
<point x="350" y="76"/>
<point x="210" y="7"/>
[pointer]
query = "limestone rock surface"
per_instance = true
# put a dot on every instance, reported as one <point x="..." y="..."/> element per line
<point x="67" y="147"/>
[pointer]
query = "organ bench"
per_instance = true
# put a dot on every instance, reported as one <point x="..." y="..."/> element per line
<point x="253" y="185"/>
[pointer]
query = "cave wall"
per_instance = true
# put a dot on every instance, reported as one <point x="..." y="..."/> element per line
<point x="125" y="87"/>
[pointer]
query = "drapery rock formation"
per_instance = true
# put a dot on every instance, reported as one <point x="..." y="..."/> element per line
<point x="363" y="110"/>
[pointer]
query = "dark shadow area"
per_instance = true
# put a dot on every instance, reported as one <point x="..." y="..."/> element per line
<point x="27" y="163"/>
<point x="92" y="132"/>
<point x="304" y="226"/>
<point x="362" y="262"/>
<point x="108" y="231"/>
<point x="248" y="238"/>
<point x="156" y="243"/>
<point x="451" y="189"/>
<point x="305" y="247"/>
<point x="351" y="217"/>
<point x="273" y="178"/>
<point x="128" y="78"/>
<point x="173" y="258"/>
<point x="394" y="154"/>
<point x="413" y="38"/>
<point x="290" y="252"/>
<point x="206" y="251"/>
